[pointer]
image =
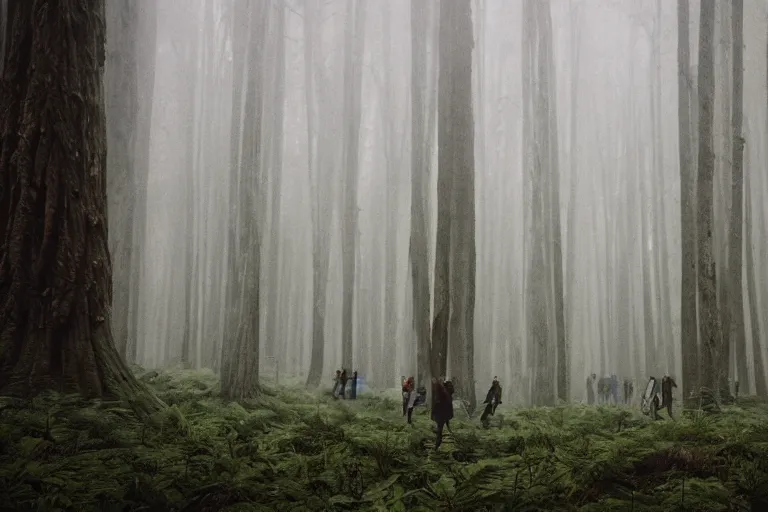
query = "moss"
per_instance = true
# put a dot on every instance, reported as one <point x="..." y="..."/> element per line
<point x="292" y="450"/>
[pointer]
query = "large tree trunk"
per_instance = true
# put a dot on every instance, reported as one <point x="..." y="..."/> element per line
<point x="423" y="36"/>
<point x="714" y="363"/>
<point x="550" y="100"/>
<point x="688" y="330"/>
<point x="456" y="145"/>
<point x="321" y="165"/>
<point x="354" y="46"/>
<point x="240" y="350"/>
<point x="55" y="271"/>
<point x="4" y="32"/>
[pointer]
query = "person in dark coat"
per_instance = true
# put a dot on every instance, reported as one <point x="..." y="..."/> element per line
<point x="353" y="386"/>
<point x="629" y="391"/>
<point x="591" y="389"/>
<point x="336" y="384"/>
<point x="492" y="400"/>
<point x="442" y="407"/>
<point x="344" y="378"/>
<point x="667" y="383"/>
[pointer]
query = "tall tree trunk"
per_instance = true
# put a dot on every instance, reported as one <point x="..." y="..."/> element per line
<point x="55" y="271"/>
<point x="240" y="350"/>
<point x="321" y="165"/>
<point x="736" y="293"/>
<point x="191" y="48"/>
<point x="4" y="31"/>
<point x="354" y="47"/>
<point x="540" y="147"/>
<point x="761" y="385"/>
<point x="442" y="284"/>
<point x="659" y="213"/>
<point x="392" y="200"/>
<point x="423" y="37"/>
<point x="274" y="259"/>
<point x="688" y="331"/>
<point x="714" y="362"/>
<point x="146" y="51"/>
<point x="550" y="107"/>
<point x="457" y="171"/>
<point x="570" y="273"/>
<point x="122" y="107"/>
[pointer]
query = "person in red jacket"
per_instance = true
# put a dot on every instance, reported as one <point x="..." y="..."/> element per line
<point x="409" y="397"/>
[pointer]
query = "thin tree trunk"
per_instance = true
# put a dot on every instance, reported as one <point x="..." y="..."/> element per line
<point x="354" y="48"/>
<point x="737" y="197"/>
<point x="714" y="362"/>
<point x="688" y="331"/>
<point x="274" y="259"/>
<point x="423" y="15"/>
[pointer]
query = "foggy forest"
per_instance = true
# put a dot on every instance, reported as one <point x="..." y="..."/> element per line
<point x="257" y="254"/>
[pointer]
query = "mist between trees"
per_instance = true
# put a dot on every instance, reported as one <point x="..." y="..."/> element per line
<point x="538" y="190"/>
<point x="470" y="189"/>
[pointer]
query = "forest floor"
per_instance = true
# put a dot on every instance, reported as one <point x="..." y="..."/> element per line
<point x="293" y="450"/>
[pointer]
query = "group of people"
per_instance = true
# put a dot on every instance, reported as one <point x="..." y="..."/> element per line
<point x="608" y="390"/>
<point x="442" y="403"/>
<point x="340" y="385"/>
<point x="605" y="390"/>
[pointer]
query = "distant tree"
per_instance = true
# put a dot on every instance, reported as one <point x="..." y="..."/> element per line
<point x="354" y="47"/>
<point x="55" y="270"/>
<point x="276" y="109"/>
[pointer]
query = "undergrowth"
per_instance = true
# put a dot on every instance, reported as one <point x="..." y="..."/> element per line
<point x="293" y="450"/>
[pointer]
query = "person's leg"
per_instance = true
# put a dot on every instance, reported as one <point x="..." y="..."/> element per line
<point x="486" y="412"/>
<point x="669" y="408"/>
<point x="439" y="435"/>
<point x="410" y="413"/>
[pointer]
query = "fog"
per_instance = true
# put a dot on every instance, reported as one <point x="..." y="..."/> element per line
<point x="275" y="193"/>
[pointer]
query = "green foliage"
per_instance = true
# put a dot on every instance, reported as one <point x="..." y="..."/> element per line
<point x="293" y="450"/>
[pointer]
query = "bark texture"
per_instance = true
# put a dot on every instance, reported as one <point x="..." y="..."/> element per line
<point x="544" y="279"/>
<point x="423" y="37"/>
<point x="457" y="154"/>
<point x="688" y="331"/>
<point x="240" y="350"/>
<point x="714" y="363"/>
<point x="736" y="293"/>
<point x="55" y="271"/>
